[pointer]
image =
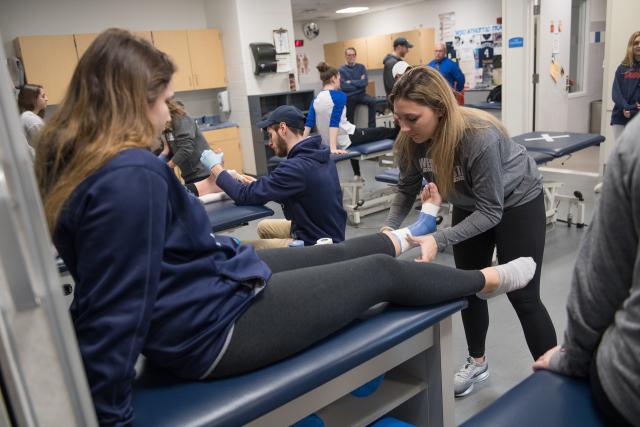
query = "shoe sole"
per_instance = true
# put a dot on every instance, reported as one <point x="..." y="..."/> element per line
<point x="483" y="376"/>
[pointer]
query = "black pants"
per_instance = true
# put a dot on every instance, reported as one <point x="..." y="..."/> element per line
<point x="609" y="415"/>
<point x="317" y="290"/>
<point x="521" y="232"/>
<point x="363" y="98"/>
<point x="363" y="135"/>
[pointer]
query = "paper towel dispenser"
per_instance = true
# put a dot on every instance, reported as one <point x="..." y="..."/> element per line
<point x="264" y="55"/>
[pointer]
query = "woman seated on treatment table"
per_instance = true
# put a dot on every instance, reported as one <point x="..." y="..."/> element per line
<point x="198" y="305"/>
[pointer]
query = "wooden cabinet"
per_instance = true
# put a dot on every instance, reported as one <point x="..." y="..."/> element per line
<point x="228" y="140"/>
<point x="334" y="54"/>
<point x="198" y="56"/>
<point x="377" y="48"/>
<point x="84" y="40"/>
<point x="48" y="61"/>
<point x="423" y="41"/>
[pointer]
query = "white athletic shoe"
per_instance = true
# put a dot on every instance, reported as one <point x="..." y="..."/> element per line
<point x="470" y="373"/>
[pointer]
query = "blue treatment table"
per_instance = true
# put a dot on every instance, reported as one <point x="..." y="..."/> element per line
<point x="543" y="399"/>
<point x="557" y="144"/>
<point x="485" y="105"/>
<point x="226" y="214"/>
<point x="412" y="346"/>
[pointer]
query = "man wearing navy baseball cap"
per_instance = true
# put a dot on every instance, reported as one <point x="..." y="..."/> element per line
<point x="401" y="47"/>
<point x="305" y="183"/>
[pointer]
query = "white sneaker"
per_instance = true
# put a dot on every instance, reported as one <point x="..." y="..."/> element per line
<point x="470" y="373"/>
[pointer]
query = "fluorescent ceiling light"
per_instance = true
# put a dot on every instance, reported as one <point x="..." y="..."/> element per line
<point x="352" y="10"/>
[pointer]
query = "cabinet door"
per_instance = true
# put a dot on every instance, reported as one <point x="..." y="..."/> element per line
<point x="360" y="45"/>
<point x="377" y="48"/>
<point x="333" y="54"/>
<point x="175" y="43"/>
<point x="427" y="42"/>
<point x="415" y="53"/>
<point x="207" y="58"/>
<point x="227" y="139"/>
<point x="48" y="61"/>
<point x="83" y="41"/>
<point x="144" y="34"/>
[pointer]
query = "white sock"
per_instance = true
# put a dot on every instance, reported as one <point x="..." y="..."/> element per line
<point x="514" y="275"/>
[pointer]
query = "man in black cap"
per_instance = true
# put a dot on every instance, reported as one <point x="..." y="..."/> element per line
<point x="305" y="183"/>
<point x="401" y="47"/>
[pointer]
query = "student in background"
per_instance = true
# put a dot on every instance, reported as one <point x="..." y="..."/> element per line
<point x="449" y="69"/>
<point x="401" y="47"/>
<point x="32" y="102"/>
<point x="602" y="339"/>
<point x="626" y="87"/>
<point x="353" y="82"/>
<point x="327" y="113"/>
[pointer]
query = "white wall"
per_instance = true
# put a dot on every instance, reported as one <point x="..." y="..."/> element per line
<point x="424" y="14"/>
<point x="314" y="50"/>
<point x="578" y="114"/>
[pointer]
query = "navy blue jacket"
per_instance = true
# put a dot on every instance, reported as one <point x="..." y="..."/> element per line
<point x="306" y="184"/>
<point x="450" y="70"/>
<point x="150" y="278"/>
<point x="625" y="93"/>
<point x="357" y="86"/>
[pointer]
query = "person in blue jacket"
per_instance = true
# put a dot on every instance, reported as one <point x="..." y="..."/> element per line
<point x="626" y="87"/>
<point x="305" y="183"/>
<point x="150" y="276"/>
<point x="449" y="69"/>
<point x="353" y="82"/>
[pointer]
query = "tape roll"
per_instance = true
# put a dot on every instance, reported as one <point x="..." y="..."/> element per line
<point x="324" y="241"/>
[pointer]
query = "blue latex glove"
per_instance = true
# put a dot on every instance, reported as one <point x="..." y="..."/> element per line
<point x="209" y="159"/>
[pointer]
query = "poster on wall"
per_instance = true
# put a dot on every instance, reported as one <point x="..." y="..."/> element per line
<point x="447" y="26"/>
<point x="479" y="54"/>
<point x="302" y="61"/>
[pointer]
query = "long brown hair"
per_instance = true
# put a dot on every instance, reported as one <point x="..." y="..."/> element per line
<point x="326" y="72"/>
<point x="28" y="98"/>
<point x="104" y="111"/>
<point x="426" y="86"/>
<point x="628" y="59"/>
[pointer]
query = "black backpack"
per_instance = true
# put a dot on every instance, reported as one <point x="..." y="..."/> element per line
<point x="495" y="95"/>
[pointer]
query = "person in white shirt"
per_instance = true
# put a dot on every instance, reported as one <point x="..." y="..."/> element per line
<point x="32" y="101"/>
<point x="327" y="112"/>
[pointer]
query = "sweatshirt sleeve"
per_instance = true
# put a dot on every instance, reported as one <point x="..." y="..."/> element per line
<point x="488" y="189"/>
<point x="458" y="76"/>
<point x="618" y="96"/>
<point x="283" y="183"/>
<point x="604" y="272"/>
<point x="361" y="83"/>
<point x="311" y="116"/>
<point x="184" y="132"/>
<point x="339" y="102"/>
<point x="347" y="87"/>
<point x="409" y="184"/>
<point x="117" y="283"/>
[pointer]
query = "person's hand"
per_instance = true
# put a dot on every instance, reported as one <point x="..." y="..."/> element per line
<point x="246" y="179"/>
<point x="626" y="113"/>
<point x="209" y="158"/>
<point x="338" y="151"/>
<point x="543" y="361"/>
<point x="637" y="105"/>
<point x="362" y="77"/>
<point x="348" y="82"/>
<point x="166" y="150"/>
<point x="428" y="247"/>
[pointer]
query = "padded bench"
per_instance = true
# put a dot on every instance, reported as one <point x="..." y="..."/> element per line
<point x="226" y="214"/>
<point x="413" y="342"/>
<point x="544" y="399"/>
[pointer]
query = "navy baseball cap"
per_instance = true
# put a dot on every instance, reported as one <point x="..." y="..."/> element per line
<point x="401" y="41"/>
<point x="293" y="117"/>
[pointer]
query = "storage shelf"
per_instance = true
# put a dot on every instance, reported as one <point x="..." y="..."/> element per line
<point x="396" y="388"/>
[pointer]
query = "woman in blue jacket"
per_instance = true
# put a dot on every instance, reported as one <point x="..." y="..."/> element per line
<point x="626" y="90"/>
<point x="150" y="276"/>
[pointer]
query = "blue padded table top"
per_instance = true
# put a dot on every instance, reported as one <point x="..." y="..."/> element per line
<point x="373" y="146"/>
<point x="485" y="105"/>
<point x="160" y="400"/>
<point x="559" y="143"/>
<point x="540" y="157"/>
<point x="543" y="399"/>
<point x="226" y="214"/>
<point x="390" y="176"/>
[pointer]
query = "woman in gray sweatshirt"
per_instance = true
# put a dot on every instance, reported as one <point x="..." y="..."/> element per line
<point x="602" y="339"/>
<point x="496" y="192"/>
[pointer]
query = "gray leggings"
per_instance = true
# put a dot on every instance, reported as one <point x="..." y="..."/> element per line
<point x="317" y="290"/>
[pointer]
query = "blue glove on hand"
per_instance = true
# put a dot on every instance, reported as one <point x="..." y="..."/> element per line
<point x="209" y="159"/>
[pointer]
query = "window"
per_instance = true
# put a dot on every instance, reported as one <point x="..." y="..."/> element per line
<point x="578" y="25"/>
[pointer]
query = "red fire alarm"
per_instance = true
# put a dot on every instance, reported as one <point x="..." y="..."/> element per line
<point x="299" y="43"/>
